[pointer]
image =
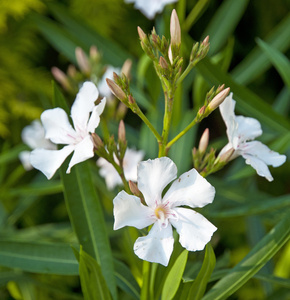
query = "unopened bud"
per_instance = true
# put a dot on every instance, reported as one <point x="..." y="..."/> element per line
<point x="61" y="77"/>
<point x="205" y="42"/>
<point x="134" y="189"/>
<point x="218" y="99"/>
<point x="131" y="100"/>
<point x="94" y="53"/>
<point x="121" y="133"/>
<point x="175" y="31"/>
<point x="82" y="60"/>
<point x="71" y="71"/>
<point x="121" y="111"/>
<point x="98" y="143"/>
<point x="163" y="63"/>
<point x="116" y="90"/>
<point x="220" y="88"/>
<point x="141" y="33"/>
<point x="126" y="68"/>
<point x="203" y="143"/>
<point x="170" y="54"/>
<point x="201" y="110"/>
<point x="225" y="157"/>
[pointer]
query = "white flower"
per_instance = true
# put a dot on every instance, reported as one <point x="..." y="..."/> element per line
<point x="242" y="129"/>
<point x="102" y="85"/>
<point x="150" y="8"/>
<point x="33" y="136"/>
<point x="130" y="162"/>
<point x="190" y="189"/>
<point x="85" y="116"/>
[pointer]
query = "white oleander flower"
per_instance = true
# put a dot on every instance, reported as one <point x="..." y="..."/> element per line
<point x="241" y="131"/>
<point x="33" y="136"/>
<point x="102" y="85"/>
<point x="130" y="162"/>
<point x="190" y="189"/>
<point x="85" y="116"/>
<point x="150" y="8"/>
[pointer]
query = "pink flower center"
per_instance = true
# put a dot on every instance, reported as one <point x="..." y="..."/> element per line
<point x="162" y="212"/>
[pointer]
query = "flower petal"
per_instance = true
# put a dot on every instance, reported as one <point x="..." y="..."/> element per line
<point x="83" y="151"/>
<point x="130" y="163"/>
<point x="157" y="246"/>
<point x="248" y="128"/>
<point x="154" y="176"/>
<point x="83" y="105"/>
<point x="129" y="211"/>
<point x="259" y="156"/>
<point x="108" y="172"/>
<point x="227" y="109"/>
<point x="190" y="189"/>
<point x="194" y="230"/>
<point x="24" y="157"/>
<point x="48" y="161"/>
<point x="95" y="116"/>
<point x="57" y="126"/>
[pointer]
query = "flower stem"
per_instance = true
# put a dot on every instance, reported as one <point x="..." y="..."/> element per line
<point x="145" y="294"/>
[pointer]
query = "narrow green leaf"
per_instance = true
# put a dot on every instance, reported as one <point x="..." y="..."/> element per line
<point x="247" y="102"/>
<point x="280" y="61"/>
<point x="125" y="280"/>
<point x="87" y="218"/>
<point x="198" y="287"/>
<point x="224" y="22"/>
<point x="38" y="257"/>
<point x="12" y="154"/>
<point x="256" y="62"/>
<point x="257" y="207"/>
<point x="253" y="262"/>
<point x="92" y="281"/>
<point x="174" y="276"/>
<point x="58" y="98"/>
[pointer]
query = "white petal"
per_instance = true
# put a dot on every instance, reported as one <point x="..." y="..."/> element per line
<point x="129" y="211"/>
<point x="194" y="230"/>
<point x="227" y="109"/>
<point x="190" y="189"/>
<point x="95" y="116"/>
<point x="248" y="128"/>
<point x="157" y="246"/>
<point x="259" y="156"/>
<point x="110" y="174"/>
<point x="57" y="126"/>
<point x="83" y="151"/>
<point x="83" y="105"/>
<point x="130" y="163"/>
<point x="24" y="157"/>
<point x="154" y="176"/>
<point x="48" y="161"/>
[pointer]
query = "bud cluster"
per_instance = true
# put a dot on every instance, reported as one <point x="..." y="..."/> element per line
<point x="207" y="162"/>
<point x="199" y="51"/>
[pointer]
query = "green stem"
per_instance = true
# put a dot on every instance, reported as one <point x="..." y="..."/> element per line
<point x="145" y="294"/>
<point x="185" y="72"/>
<point x="122" y="175"/>
<point x="182" y="133"/>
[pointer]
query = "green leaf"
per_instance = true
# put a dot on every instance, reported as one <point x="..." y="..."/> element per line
<point x="125" y="280"/>
<point x="224" y="22"/>
<point x="253" y="262"/>
<point x="38" y="257"/>
<point x="174" y="276"/>
<point x="247" y="102"/>
<point x="198" y="287"/>
<point x="280" y="61"/>
<point x="58" y="98"/>
<point x="87" y="218"/>
<point x="92" y="281"/>
<point x="256" y="62"/>
<point x="12" y="154"/>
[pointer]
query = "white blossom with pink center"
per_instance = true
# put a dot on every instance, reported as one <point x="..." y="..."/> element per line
<point x="85" y="117"/>
<point x="190" y="189"/>
<point x="240" y="131"/>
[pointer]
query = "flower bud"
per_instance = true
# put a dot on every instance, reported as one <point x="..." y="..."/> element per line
<point x="82" y="60"/>
<point x="61" y="77"/>
<point x="94" y="53"/>
<point x="98" y="143"/>
<point x="225" y="157"/>
<point x="163" y="63"/>
<point x="203" y="143"/>
<point x="175" y="31"/>
<point x="71" y="71"/>
<point x="218" y="99"/>
<point x="116" y="90"/>
<point x="126" y="68"/>
<point x="142" y="35"/>
<point x="135" y="191"/>
<point x="121" y="133"/>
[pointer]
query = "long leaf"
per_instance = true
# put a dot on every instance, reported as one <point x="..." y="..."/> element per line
<point x="280" y="61"/>
<point x="253" y="262"/>
<point x="174" y="276"/>
<point x="198" y="287"/>
<point x="38" y="257"/>
<point x="92" y="280"/>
